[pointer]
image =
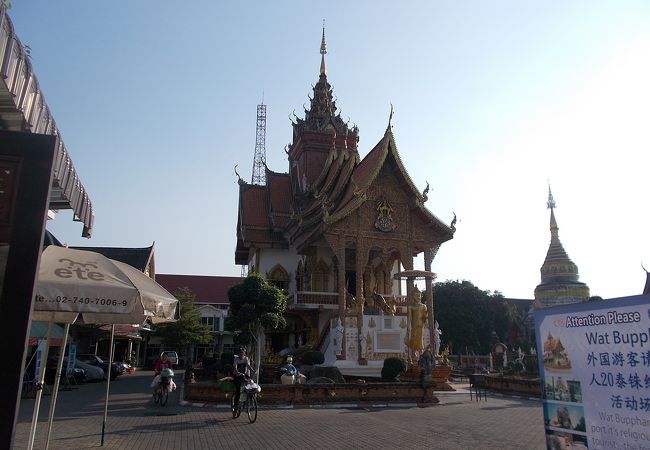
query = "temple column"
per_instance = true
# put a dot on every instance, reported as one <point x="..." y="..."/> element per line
<point x="407" y="262"/>
<point x="388" y="279"/>
<point x="340" y="254"/>
<point x="428" y="259"/>
<point x="362" y="257"/>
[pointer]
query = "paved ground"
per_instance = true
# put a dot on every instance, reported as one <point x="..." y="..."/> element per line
<point x="135" y="423"/>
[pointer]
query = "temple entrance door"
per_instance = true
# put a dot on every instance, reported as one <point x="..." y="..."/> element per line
<point x="351" y="281"/>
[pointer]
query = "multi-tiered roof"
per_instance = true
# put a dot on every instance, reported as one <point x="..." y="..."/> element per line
<point x="327" y="181"/>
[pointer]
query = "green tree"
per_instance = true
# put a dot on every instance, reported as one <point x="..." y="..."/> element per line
<point x="467" y="316"/>
<point x="188" y="330"/>
<point x="255" y="305"/>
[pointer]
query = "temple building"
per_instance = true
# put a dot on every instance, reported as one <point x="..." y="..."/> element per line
<point x="333" y="232"/>
<point x="560" y="285"/>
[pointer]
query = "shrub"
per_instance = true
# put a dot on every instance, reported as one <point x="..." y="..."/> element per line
<point x="392" y="369"/>
<point x="514" y="368"/>
<point x="313" y="357"/>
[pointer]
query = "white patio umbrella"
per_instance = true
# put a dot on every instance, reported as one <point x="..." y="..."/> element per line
<point x="81" y="284"/>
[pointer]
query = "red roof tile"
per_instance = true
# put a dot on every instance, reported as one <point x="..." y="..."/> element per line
<point x="255" y="210"/>
<point x="280" y="187"/>
<point x="207" y="289"/>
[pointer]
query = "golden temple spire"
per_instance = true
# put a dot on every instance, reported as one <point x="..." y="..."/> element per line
<point x="560" y="280"/>
<point x="323" y="52"/>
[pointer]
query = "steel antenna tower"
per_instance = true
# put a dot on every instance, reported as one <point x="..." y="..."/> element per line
<point x="259" y="160"/>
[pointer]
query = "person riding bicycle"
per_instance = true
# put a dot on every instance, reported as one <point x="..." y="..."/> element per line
<point x="162" y="368"/>
<point x="163" y="362"/>
<point x="241" y="370"/>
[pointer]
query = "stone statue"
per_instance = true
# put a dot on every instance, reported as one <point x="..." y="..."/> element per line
<point x="426" y="363"/>
<point x="417" y="315"/>
<point x="337" y="337"/>
<point x="437" y="332"/>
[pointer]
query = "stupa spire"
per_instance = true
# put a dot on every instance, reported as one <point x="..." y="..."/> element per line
<point x="555" y="236"/>
<point x="323" y="52"/>
<point x="560" y="277"/>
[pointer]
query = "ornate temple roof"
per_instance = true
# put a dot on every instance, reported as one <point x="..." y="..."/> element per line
<point x="560" y="283"/>
<point x="327" y="181"/>
<point x="367" y="171"/>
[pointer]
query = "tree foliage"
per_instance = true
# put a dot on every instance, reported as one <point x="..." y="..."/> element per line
<point x="468" y="315"/>
<point x="255" y="304"/>
<point x="188" y="330"/>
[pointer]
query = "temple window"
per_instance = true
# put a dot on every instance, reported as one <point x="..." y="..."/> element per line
<point x="300" y="277"/>
<point x="321" y="277"/>
<point x="279" y="277"/>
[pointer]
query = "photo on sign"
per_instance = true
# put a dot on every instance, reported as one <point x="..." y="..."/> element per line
<point x="555" y="355"/>
<point x="562" y="389"/>
<point x="567" y="417"/>
<point x="559" y="440"/>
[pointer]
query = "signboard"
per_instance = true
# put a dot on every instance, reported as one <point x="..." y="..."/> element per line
<point x="40" y="356"/>
<point x="72" y="356"/>
<point x="594" y="361"/>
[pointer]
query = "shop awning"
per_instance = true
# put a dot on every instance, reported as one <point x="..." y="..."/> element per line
<point x="23" y="108"/>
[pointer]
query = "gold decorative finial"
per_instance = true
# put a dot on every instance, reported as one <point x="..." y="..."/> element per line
<point x="390" y="116"/>
<point x="323" y="52"/>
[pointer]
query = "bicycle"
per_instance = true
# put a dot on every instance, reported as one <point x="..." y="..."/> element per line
<point x="249" y="401"/>
<point x="161" y="392"/>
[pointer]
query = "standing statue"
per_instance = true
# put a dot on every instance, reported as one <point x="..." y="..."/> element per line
<point x="363" y="344"/>
<point x="417" y="315"/>
<point x="337" y="337"/>
<point x="437" y="332"/>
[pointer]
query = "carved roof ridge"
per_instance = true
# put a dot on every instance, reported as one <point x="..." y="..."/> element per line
<point x="317" y="186"/>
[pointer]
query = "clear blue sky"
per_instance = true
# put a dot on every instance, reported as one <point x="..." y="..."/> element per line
<point x="156" y="103"/>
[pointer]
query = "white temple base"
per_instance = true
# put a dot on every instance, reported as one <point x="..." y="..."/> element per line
<point x="354" y="369"/>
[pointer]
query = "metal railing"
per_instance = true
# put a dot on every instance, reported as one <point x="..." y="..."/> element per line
<point x="315" y="298"/>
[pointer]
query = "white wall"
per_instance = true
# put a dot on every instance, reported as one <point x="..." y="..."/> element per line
<point x="287" y="258"/>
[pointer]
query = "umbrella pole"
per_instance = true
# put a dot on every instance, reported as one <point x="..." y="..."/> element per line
<point x="108" y="381"/>
<point x="39" y="388"/>
<point x="57" y="380"/>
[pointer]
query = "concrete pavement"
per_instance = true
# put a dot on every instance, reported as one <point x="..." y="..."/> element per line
<point x="134" y="422"/>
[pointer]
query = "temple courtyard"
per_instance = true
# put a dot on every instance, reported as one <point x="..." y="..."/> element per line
<point x="134" y="422"/>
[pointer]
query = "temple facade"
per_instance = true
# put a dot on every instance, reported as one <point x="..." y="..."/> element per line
<point x="335" y="233"/>
<point x="560" y="285"/>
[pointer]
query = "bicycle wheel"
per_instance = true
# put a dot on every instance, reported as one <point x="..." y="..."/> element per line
<point x="251" y="408"/>
<point x="236" y="411"/>
<point x="156" y="396"/>
<point x="164" y="395"/>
